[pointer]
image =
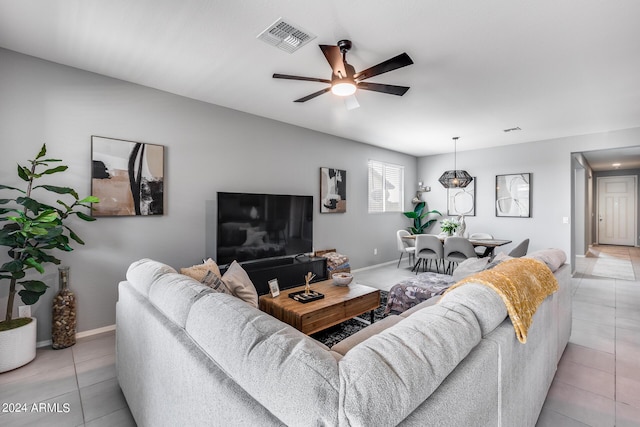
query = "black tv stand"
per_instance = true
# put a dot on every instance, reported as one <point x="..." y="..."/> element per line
<point x="290" y="271"/>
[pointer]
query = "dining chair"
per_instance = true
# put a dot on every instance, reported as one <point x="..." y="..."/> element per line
<point x="480" y="250"/>
<point x="456" y="250"/>
<point x="429" y="248"/>
<point x="520" y="250"/>
<point x="405" y="246"/>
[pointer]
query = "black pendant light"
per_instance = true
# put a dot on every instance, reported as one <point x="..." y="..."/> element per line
<point x="455" y="178"/>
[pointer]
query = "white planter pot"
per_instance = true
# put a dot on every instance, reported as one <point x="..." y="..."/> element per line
<point x="18" y="346"/>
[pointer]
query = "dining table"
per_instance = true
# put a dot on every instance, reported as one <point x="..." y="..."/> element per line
<point x="489" y="244"/>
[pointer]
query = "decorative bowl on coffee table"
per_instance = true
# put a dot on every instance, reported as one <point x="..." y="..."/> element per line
<point x="342" y="279"/>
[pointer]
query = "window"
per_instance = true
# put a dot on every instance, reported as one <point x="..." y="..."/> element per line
<point x="386" y="187"/>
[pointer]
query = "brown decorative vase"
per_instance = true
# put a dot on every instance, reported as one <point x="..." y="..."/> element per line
<point x="63" y="319"/>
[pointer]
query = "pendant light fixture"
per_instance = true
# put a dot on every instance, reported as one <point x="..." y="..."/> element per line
<point x="455" y="178"/>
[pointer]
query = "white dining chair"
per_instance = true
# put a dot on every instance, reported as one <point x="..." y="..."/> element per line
<point x="456" y="250"/>
<point x="405" y="246"/>
<point x="520" y="250"/>
<point x="429" y="248"/>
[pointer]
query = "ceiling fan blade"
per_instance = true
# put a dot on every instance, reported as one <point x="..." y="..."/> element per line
<point x="313" y="95"/>
<point x="394" y="63"/>
<point x="377" y="87"/>
<point x="334" y="57"/>
<point x="307" y="79"/>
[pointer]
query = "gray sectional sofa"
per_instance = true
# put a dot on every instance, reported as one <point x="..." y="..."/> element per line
<point x="189" y="356"/>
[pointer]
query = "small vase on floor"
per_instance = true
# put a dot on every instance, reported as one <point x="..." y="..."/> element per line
<point x="63" y="319"/>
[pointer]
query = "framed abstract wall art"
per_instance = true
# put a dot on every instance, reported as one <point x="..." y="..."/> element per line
<point x="513" y="195"/>
<point x="462" y="201"/>
<point x="333" y="190"/>
<point x="127" y="176"/>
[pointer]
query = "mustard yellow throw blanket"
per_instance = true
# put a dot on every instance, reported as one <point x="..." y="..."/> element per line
<point x="522" y="283"/>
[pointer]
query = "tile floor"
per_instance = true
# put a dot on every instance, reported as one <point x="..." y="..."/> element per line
<point x="597" y="383"/>
<point x="78" y="384"/>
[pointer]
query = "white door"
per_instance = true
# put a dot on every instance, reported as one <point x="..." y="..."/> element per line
<point x="617" y="210"/>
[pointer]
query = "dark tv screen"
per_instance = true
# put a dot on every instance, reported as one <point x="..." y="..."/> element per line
<point x="256" y="226"/>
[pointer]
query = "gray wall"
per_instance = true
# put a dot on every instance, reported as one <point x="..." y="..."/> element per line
<point x="582" y="206"/>
<point x="550" y="162"/>
<point x="207" y="149"/>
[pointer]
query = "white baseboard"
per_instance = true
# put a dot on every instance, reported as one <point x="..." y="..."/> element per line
<point x="82" y="334"/>
<point x="43" y="343"/>
<point x="374" y="266"/>
<point x="96" y="331"/>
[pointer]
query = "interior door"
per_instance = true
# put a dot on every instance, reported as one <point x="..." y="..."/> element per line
<point x="617" y="210"/>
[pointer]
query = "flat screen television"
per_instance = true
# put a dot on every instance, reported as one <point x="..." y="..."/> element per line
<point x="256" y="226"/>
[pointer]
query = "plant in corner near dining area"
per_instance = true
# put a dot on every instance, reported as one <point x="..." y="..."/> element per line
<point x="33" y="229"/>
<point x="417" y="215"/>
<point x="449" y="226"/>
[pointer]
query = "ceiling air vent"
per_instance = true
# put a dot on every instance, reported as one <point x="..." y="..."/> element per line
<point x="286" y="36"/>
<point x="517" y="128"/>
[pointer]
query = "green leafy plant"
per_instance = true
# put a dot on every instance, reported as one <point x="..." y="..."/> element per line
<point x="449" y="226"/>
<point x="417" y="215"/>
<point x="32" y="230"/>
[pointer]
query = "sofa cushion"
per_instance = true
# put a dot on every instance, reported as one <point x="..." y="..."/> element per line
<point x="468" y="267"/>
<point x="174" y="294"/>
<point x="284" y="370"/>
<point x="500" y="257"/>
<point x="426" y="303"/>
<point x="375" y="328"/>
<point x="142" y="274"/>
<point x="404" y="364"/>
<point x="239" y="283"/>
<point x="554" y="258"/>
<point x="484" y="302"/>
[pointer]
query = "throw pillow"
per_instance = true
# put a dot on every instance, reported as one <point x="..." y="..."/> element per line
<point x="468" y="267"/>
<point x="208" y="274"/>
<point x="239" y="283"/>
<point x="498" y="259"/>
<point x="554" y="258"/>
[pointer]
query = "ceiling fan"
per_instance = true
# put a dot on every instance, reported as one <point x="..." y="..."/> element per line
<point x="344" y="79"/>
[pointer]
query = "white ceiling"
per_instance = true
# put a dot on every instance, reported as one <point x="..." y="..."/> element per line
<point x="553" y="68"/>
<point x="603" y="160"/>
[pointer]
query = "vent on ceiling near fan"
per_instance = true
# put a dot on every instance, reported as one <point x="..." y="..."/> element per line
<point x="517" y="128"/>
<point x="286" y="36"/>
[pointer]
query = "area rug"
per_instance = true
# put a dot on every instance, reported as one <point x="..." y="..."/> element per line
<point x="337" y="333"/>
<point x="609" y="262"/>
<point x="614" y="268"/>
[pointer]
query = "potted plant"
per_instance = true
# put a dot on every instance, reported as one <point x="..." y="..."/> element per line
<point x="449" y="226"/>
<point x="32" y="230"/>
<point x="417" y="215"/>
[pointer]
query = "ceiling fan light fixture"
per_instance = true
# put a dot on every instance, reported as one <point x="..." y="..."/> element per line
<point x="345" y="81"/>
<point x="343" y="87"/>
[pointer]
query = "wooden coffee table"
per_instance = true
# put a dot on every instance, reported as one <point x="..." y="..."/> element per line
<point x="340" y="303"/>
